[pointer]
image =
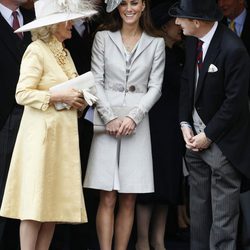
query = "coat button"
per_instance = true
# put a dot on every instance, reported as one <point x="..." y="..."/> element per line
<point x="131" y="88"/>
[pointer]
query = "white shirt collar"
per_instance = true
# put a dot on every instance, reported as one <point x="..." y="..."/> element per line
<point x="7" y="14"/>
<point x="207" y="38"/>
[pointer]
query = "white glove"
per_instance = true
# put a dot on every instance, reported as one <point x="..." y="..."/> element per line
<point x="89" y="98"/>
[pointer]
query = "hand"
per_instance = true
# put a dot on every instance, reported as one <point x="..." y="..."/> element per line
<point x="127" y="127"/>
<point x="113" y="126"/>
<point x="72" y="97"/>
<point x="200" y="141"/>
<point x="188" y="135"/>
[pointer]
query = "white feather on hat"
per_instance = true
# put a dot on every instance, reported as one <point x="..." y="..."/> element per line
<point x="50" y="12"/>
<point x="112" y="4"/>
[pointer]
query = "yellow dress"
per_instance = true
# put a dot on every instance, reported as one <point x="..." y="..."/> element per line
<point x="44" y="181"/>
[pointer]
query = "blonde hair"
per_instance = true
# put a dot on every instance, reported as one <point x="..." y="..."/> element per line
<point x="44" y="33"/>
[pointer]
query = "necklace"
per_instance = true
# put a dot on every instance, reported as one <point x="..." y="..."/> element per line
<point x="58" y="50"/>
<point x="129" y="41"/>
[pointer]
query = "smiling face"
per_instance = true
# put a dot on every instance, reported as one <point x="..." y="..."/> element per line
<point x="131" y="11"/>
<point x="63" y="31"/>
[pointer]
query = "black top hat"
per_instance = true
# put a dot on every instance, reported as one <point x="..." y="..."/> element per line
<point x="196" y="9"/>
<point x="159" y="13"/>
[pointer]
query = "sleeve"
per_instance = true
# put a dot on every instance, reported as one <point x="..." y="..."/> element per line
<point x="154" y="85"/>
<point x="98" y="70"/>
<point x="236" y="83"/>
<point x="27" y="92"/>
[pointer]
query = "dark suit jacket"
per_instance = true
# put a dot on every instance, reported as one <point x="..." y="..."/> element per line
<point x="11" y="51"/>
<point x="245" y="34"/>
<point x="221" y="98"/>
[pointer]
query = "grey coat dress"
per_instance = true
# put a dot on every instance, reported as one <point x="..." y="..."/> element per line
<point x="125" y="164"/>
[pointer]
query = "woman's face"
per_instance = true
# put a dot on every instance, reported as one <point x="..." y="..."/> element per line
<point x="172" y="31"/>
<point x="63" y="31"/>
<point x="131" y="11"/>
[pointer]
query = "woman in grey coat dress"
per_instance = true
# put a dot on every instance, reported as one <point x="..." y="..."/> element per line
<point x="128" y="63"/>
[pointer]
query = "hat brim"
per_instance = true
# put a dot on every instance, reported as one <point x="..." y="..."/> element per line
<point x="176" y="11"/>
<point x="54" y="19"/>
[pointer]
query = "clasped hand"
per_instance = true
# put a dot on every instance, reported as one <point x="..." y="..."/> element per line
<point x="195" y="142"/>
<point x="121" y="127"/>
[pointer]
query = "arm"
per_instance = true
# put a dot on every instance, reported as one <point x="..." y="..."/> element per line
<point x="154" y="85"/>
<point x="28" y="93"/>
<point x="236" y="86"/>
<point x="98" y="70"/>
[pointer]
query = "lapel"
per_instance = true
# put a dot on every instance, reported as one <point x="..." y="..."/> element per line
<point x="117" y="40"/>
<point x="192" y="59"/>
<point x="28" y="16"/>
<point x="212" y="52"/>
<point x="145" y="41"/>
<point x="10" y="39"/>
<point x="13" y="43"/>
<point x="245" y="35"/>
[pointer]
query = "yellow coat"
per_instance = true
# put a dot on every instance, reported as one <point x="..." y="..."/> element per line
<point x="44" y="181"/>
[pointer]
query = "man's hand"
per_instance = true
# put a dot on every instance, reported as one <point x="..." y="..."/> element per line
<point x="188" y="135"/>
<point x="200" y="141"/>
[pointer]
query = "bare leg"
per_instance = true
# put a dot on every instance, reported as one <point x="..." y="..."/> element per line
<point x="45" y="235"/>
<point x="158" y="227"/>
<point x="124" y="220"/>
<point x="28" y="234"/>
<point x="143" y="215"/>
<point x="105" y="219"/>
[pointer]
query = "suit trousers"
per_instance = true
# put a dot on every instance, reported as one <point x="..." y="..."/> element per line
<point x="9" y="228"/>
<point x="214" y="200"/>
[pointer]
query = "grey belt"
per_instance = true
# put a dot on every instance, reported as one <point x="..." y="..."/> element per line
<point x="121" y="88"/>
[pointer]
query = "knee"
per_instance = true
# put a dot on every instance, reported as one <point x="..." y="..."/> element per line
<point x="108" y="200"/>
<point x="127" y="201"/>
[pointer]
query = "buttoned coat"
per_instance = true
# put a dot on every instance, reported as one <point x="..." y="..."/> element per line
<point x="44" y="181"/>
<point x="127" y="159"/>
<point x="221" y="98"/>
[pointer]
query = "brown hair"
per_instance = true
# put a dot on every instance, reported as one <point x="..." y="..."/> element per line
<point x="113" y="22"/>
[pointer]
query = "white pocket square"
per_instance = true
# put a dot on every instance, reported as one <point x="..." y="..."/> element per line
<point x="212" y="68"/>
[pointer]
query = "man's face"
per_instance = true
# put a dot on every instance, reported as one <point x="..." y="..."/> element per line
<point x="231" y="8"/>
<point x="187" y="26"/>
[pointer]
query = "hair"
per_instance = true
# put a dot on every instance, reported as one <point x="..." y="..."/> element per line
<point x="44" y="33"/>
<point x="113" y="22"/>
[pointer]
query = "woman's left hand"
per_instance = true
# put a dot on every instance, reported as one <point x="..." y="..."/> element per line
<point x="127" y="127"/>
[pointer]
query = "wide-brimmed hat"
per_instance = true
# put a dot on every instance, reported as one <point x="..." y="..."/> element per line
<point x="112" y="4"/>
<point x="197" y="9"/>
<point x="50" y="12"/>
<point x="159" y="13"/>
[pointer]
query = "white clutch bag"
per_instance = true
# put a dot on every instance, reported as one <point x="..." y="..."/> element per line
<point x="84" y="83"/>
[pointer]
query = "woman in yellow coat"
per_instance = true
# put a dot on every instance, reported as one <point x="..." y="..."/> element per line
<point x="44" y="184"/>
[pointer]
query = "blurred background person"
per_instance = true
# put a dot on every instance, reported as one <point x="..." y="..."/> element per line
<point x="237" y="18"/>
<point x="120" y="162"/>
<point x="44" y="182"/>
<point x="12" y="47"/>
<point x="167" y="143"/>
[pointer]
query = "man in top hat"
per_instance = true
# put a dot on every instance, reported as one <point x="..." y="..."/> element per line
<point x="215" y="122"/>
